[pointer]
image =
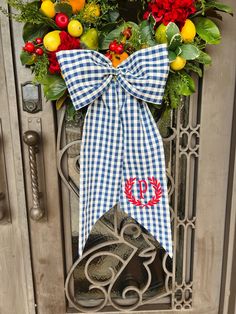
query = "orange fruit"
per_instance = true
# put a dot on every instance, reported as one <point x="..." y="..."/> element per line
<point x="76" y="5"/>
<point x="117" y="59"/>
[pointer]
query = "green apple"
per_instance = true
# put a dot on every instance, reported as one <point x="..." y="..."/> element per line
<point x="90" y="39"/>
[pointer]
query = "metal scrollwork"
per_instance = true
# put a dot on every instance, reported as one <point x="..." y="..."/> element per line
<point x="132" y="290"/>
<point x="122" y="266"/>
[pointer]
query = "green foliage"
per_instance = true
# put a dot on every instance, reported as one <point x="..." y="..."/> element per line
<point x="204" y="6"/>
<point x="171" y="55"/>
<point x="116" y="34"/>
<point x="40" y="68"/>
<point x="194" y="67"/>
<point x="178" y="84"/>
<point x="53" y="86"/>
<point x="28" y="12"/>
<point x="219" y="6"/>
<point x="207" y="30"/>
<point x="27" y="58"/>
<point x="204" y="58"/>
<point x="32" y="31"/>
<point x="171" y="30"/>
<point x="188" y="51"/>
<point x="110" y="26"/>
<point x="64" y="8"/>
<point x="146" y="35"/>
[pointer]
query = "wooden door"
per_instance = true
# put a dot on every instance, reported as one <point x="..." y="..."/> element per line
<point x="16" y="281"/>
<point x="197" y="144"/>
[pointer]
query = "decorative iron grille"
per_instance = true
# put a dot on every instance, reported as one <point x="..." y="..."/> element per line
<point x="123" y="267"/>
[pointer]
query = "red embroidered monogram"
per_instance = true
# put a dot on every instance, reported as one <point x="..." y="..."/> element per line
<point x="143" y="189"/>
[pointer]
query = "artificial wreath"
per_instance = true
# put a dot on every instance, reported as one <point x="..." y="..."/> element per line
<point x="187" y="26"/>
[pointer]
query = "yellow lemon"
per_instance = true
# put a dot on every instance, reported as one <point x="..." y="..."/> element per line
<point x="178" y="63"/>
<point x="160" y="34"/>
<point x="188" y="31"/>
<point x="52" y="40"/>
<point x="75" y="28"/>
<point x="48" y="9"/>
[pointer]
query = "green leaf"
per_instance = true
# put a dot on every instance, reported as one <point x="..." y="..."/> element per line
<point x="171" y="30"/>
<point x="220" y="7"/>
<point x="204" y="58"/>
<point x="54" y="87"/>
<point x="113" y="15"/>
<point x="171" y="55"/>
<point x="104" y="45"/>
<point x="187" y="85"/>
<point x="32" y="31"/>
<point x="152" y="22"/>
<point x="207" y="30"/>
<point x="70" y="110"/>
<point x="194" y="68"/>
<point x="176" y="41"/>
<point x="27" y="58"/>
<point x="189" y="51"/>
<point x="61" y="101"/>
<point x="64" y="8"/>
<point x="146" y="35"/>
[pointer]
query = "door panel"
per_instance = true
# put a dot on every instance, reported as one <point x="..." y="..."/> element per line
<point x="46" y="235"/>
<point x="197" y="150"/>
<point x="16" y="283"/>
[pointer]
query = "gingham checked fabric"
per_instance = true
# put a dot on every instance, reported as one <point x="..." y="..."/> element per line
<point x="121" y="143"/>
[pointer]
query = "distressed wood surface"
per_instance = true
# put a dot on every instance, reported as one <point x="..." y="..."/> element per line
<point x="216" y="125"/>
<point x="46" y="235"/>
<point x="16" y="282"/>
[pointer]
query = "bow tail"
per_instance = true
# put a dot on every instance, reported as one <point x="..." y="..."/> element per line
<point x="100" y="162"/>
<point x="144" y="193"/>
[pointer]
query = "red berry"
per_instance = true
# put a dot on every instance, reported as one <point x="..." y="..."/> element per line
<point x="29" y="47"/>
<point x="113" y="45"/>
<point x="119" y="49"/>
<point x="127" y="32"/>
<point x="62" y="20"/>
<point x="108" y="55"/>
<point x="39" y="40"/>
<point x="39" y="51"/>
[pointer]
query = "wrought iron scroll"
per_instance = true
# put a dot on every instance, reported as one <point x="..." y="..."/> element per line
<point x="103" y="277"/>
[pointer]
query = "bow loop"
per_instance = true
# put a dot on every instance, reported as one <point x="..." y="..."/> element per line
<point x="88" y="74"/>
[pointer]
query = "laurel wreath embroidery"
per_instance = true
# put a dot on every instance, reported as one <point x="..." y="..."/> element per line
<point x="131" y="198"/>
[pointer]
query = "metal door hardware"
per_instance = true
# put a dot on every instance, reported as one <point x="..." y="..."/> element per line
<point x="32" y="139"/>
<point x="31" y="97"/>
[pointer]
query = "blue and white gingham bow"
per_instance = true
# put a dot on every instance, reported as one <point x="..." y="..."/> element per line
<point x="122" y="158"/>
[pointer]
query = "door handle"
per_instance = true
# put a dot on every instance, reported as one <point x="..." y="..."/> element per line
<point x="32" y="140"/>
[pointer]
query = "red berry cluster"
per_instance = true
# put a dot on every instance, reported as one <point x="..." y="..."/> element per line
<point x="127" y="33"/>
<point x="32" y="47"/>
<point x="114" y="48"/>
